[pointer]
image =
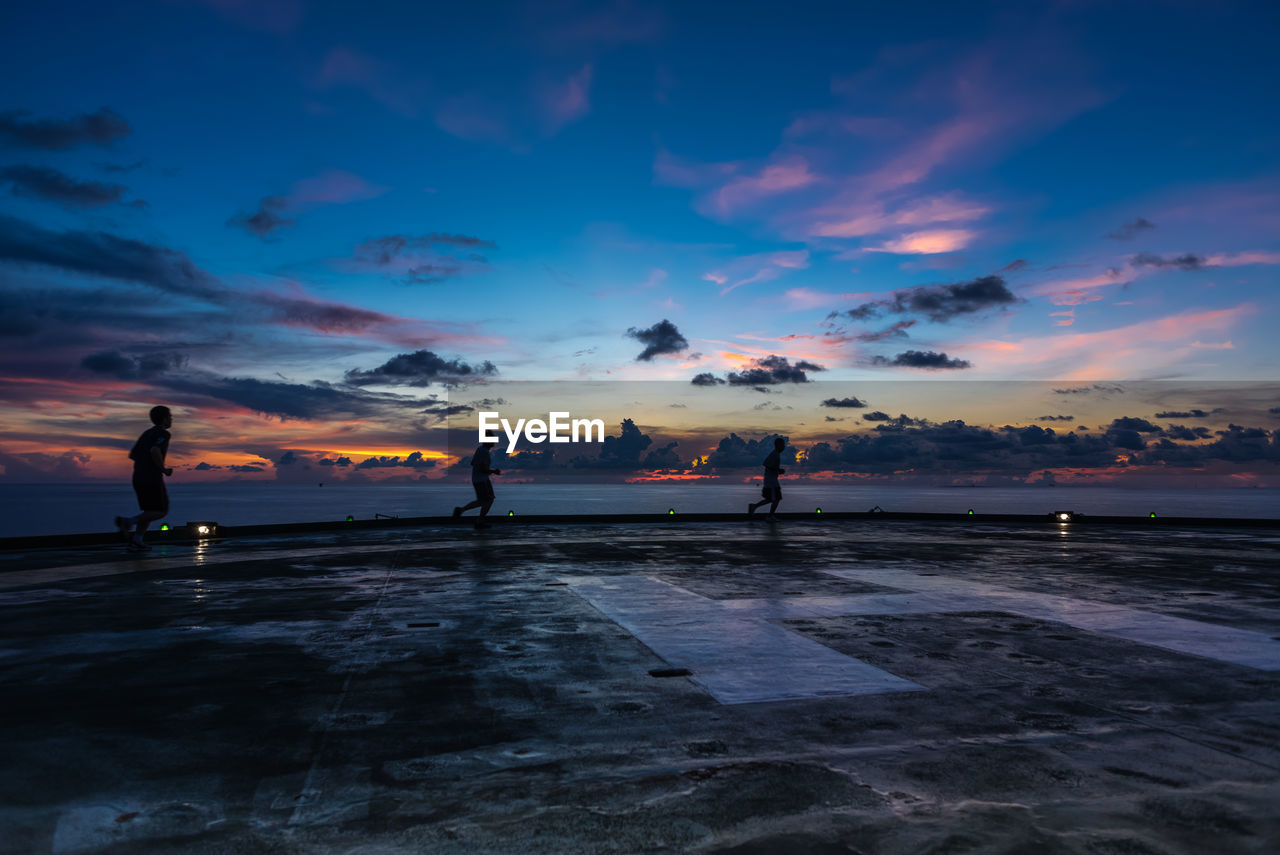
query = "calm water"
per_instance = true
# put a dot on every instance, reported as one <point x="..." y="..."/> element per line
<point x="71" y="508"/>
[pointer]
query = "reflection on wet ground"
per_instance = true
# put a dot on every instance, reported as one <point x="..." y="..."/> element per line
<point x="714" y="688"/>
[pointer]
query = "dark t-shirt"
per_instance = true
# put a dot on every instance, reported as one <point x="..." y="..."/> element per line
<point x="143" y="465"/>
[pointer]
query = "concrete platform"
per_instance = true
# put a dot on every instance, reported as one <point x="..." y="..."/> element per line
<point x="808" y="686"/>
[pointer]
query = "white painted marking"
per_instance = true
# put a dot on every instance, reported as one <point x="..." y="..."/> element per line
<point x="1211" y="641"/>
<point x="738" y="658"/>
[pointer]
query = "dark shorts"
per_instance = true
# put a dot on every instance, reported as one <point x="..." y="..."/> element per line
<point x="773" y="494"/>
<point x="484" y="490"/>
<point x="152" y="496"/>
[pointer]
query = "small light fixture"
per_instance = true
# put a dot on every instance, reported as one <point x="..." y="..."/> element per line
<point x="971" y="512"/>
<point x="671" y="512"/>
<point x="164" y="527"/>
<point x="203" y="529"/>
<point x="1064" y="516"/>
<point x="1152" y="515"/>
<point x="819" y="510"/>
<point x="350" y="518"/>
<point x="511" y="513"/>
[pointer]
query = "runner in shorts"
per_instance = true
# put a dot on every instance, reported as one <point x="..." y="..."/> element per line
<point x="481" y="464"/>
<point x="149" y="472"/>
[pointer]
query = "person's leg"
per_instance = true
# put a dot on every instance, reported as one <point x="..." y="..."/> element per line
<point x="485" y="497"/>
<point x="153" y="503"/>
<point x="144" y="520"/>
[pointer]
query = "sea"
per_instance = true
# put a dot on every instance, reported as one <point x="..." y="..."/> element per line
<point x="40" y="509"/>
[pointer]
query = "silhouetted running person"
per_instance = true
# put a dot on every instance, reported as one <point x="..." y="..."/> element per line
<point x="771" y="491"/>
<point x="480" y="471"/>
<point x="149" y="473"/>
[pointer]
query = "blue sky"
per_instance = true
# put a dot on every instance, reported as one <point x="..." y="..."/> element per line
<point x="203" y="198"/>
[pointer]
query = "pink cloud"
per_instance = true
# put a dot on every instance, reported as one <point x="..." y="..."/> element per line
<point x="767" y="266"/>
<point x="1074" y="287"/>
<point x="927" y="242"/>
<point x="675" y="171"/>
<point x="1152" y="345"/>
<point x="800" y="299"/>
<point x="565" y="102"/>
<point x="344" y="66"/>
<point x="333" y="187"/>
<point x="471" y="117"/>
<point x="1240" y="259"/>
<point x="776" y="178"/>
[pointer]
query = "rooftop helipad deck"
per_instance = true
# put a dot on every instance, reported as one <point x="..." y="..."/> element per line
<point x="809" y="686"/>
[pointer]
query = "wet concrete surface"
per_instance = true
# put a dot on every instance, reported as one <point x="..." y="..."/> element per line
<point x="588" y="688"/>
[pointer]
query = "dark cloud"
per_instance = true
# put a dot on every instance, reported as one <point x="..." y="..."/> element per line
<point x="288" y="459"/>
<point x="1236" y="444"/>
<point x="706" y="378"/>
<point x="1187" y="433"/>
<point x="772" y="370"/>
<point x="735" y="452"/>
<point x="662" y="337"/>
<point x="1275" y="411"/>
<point x="102" y="254"/>
<point x="957" y="447"/>
<point x="1188" y="261"/>
<point x="1131" y="423"/>
<point x="120" y="167"/>
<point x="1085" y="390"/>
<point x="384" y="250"/>
<point x="331" y="461"/>
<point x="417" y="256"/>
<point x="105" y="255"/>
<point x="44" y="466"/>
<point x="420" y="368"/>
<point x="922" y="359"/>
<point x="99" y="128"/>
<point x="267" y="220"/>
<point x="1131" y="230"/>
<point x="412" y="461"/>
<point x="898" y="330"/>
<point x="941" y="303"/>
<point x="1127" y="432"/>
<point x="202" y="466"/>
<point x="619" y="452"/>
<point x="286" y="400"/>
<point x="902" y="420"/>
<point x="831" y="419"/>
<point x="41" y="182"/>
<point x="444" y="410"/>
<point x="847" y="403"/>
<point x="436" y="271"/>
<point x="1189" y="414"/>
<point x="1056" y="418"/>
<point x="132" y="367"/>
<point x="247" y="467"/>
<point x="1014" y="266"/>
<point x="318" y="314"/>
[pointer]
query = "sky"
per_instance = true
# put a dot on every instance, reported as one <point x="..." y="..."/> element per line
<point x="327" y="232"/>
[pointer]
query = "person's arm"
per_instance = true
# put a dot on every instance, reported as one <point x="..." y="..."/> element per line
<point x="158" y="459"/>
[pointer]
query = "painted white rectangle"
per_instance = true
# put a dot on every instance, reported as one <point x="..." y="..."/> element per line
<point x="734" y="653"/>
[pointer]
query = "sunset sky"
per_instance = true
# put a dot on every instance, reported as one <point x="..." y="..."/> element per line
<point x="327" y="231"/>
